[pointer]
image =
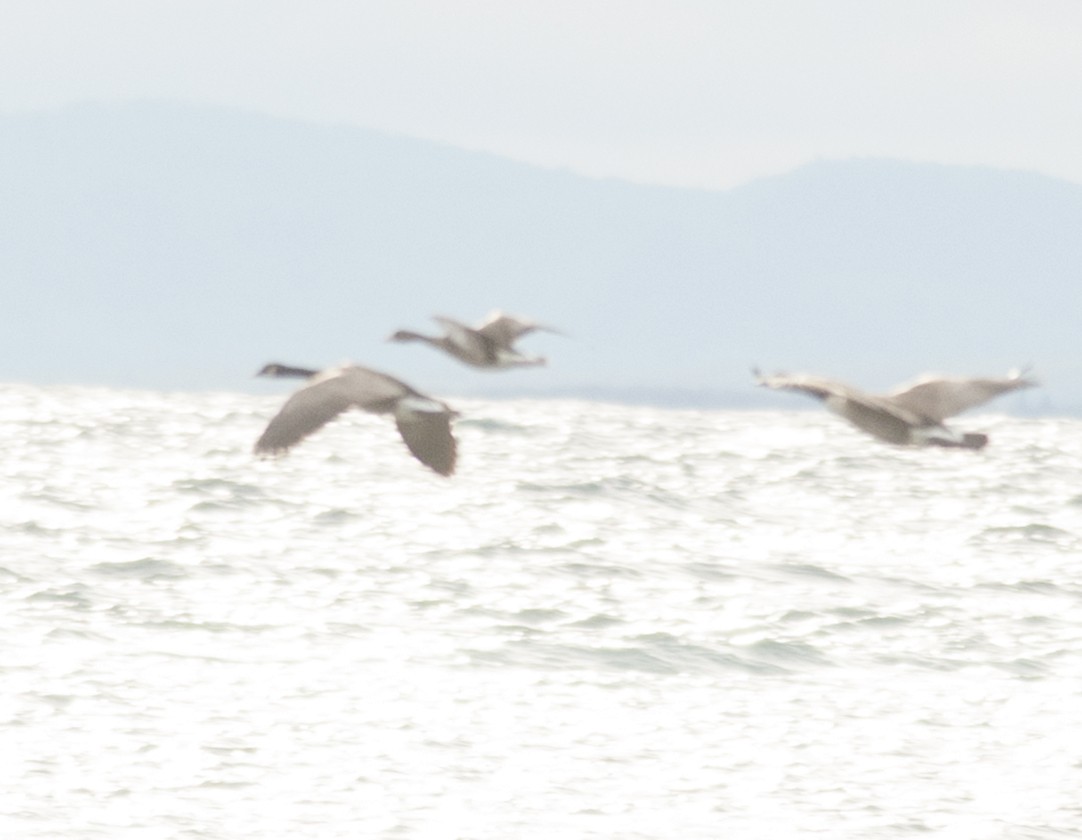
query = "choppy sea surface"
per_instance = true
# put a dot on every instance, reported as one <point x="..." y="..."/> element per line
<point x="613" y="622"/>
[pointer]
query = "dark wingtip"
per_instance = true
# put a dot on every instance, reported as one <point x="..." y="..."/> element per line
<point x="760" y="377"/>
<point x="262" y="449"/>
<point x="278" y="370"/>
<point x="974" y="440"/>
<point x="440" y="466"/>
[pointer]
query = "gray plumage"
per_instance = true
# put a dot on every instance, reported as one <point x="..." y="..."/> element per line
<point x="911" y="414"/>
<point x="489" y="345"/>
<point x="423" y="423"/>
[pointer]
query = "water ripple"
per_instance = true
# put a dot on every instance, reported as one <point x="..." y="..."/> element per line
<point x="612" y="622"/>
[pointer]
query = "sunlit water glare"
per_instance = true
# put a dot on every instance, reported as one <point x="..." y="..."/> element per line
<point x="613" y="622"/>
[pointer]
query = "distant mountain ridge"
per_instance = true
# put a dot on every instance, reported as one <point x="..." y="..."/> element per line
<point x="171" y="246"/>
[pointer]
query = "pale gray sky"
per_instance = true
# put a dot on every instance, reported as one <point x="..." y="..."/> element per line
<point x="706" y="93"/>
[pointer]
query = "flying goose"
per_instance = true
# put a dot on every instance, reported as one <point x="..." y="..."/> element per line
<point x="489" y="345"/>
<point x="911" y="414"/>
<point x="424" y="423"/>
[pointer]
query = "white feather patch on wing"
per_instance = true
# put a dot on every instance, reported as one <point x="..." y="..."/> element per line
<point x="420" y="405"/>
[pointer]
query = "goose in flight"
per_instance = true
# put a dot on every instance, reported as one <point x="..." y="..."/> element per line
<point x="489" y="345"/>
<point x="911" y="414"/>
<point x="424" y="423"/>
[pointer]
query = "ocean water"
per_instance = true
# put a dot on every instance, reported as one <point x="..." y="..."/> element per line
<point x="613" y="622"/>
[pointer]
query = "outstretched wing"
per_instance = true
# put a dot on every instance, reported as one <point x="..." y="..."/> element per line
<point x="939" y="398"/>
<point x="307" y="411"/>
<point x="474" y="343"/>
<point x="504" y="330"/>
<point x="425" y="426"/>
<point x="328" y="395"/>
<point x="814" y="386"/>
<point x="874" y="415"/>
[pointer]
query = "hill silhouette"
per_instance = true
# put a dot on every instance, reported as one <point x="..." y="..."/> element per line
<point x="172" y="246"/>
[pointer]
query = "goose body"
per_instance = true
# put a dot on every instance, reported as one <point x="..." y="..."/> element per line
<point x="912" y="414"/>
<point x="424" y="423"/>
<point x="490" y="345"/>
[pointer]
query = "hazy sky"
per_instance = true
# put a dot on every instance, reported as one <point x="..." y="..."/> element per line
<point x="708" y="93"/>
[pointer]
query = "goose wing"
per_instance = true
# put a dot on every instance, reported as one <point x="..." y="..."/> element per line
<point x="814" y="386"/>
<point x="328" y="395"/>
<point x="875" y="415"/>
<point x="504" y="330"/>
<point x="472" y="342"/>
<point x="939" y="398"/>
<point x="425" y="426"/>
